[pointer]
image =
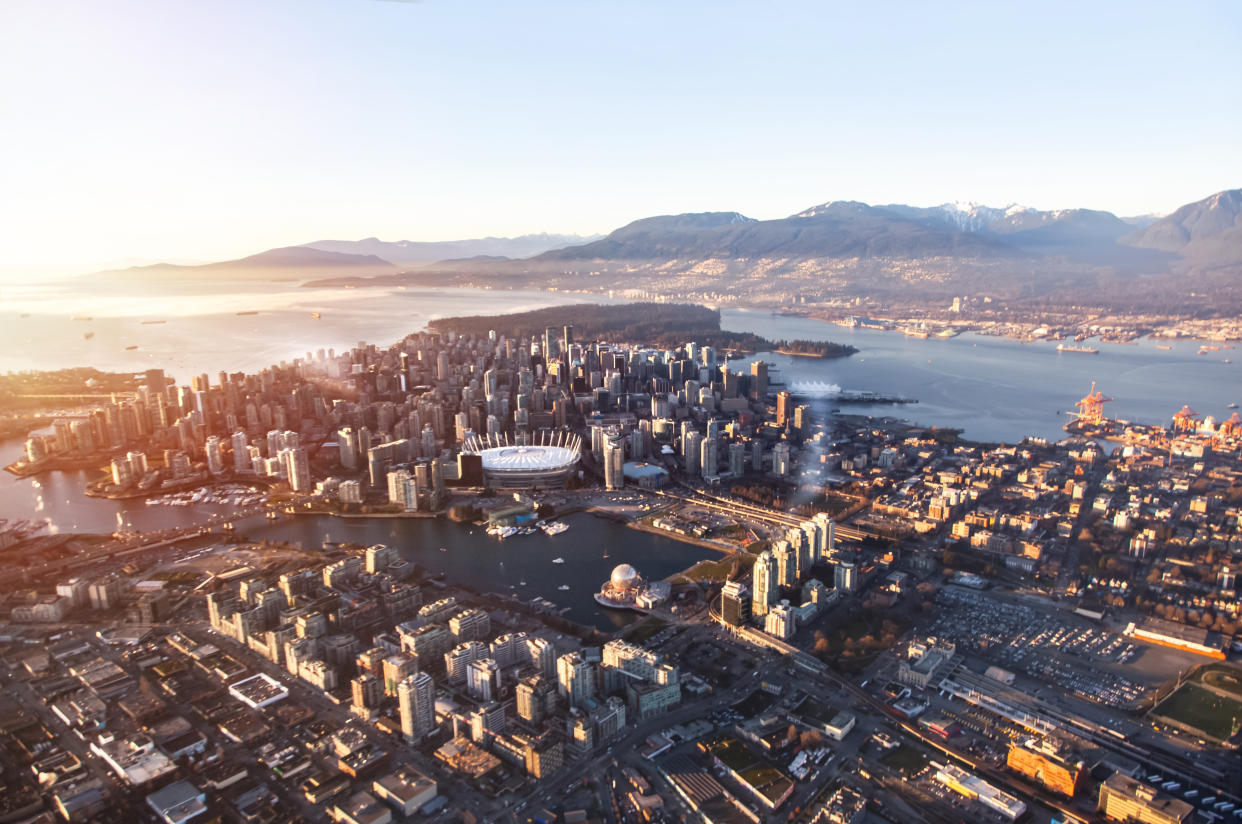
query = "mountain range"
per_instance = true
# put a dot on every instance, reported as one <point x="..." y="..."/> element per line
<point x="285" y="263"/>
<point x="407" y="252"/>
<point x="832" y="250"/>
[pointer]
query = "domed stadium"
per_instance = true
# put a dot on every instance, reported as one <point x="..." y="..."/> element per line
<point x="526" y="466"/>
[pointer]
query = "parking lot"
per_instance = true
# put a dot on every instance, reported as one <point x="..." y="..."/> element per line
<point x="1051" y="648"/>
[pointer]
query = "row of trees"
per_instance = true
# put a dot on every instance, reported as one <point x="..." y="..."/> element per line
<point x="817" y="348"/>
<point x="669" y="325"/>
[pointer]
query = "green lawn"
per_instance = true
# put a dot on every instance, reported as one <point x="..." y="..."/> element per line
<point x="709" y="570"/>
<point x="1203" y="710"/>
<point x="645" y="629"/>
<point x="1223" y="677"/>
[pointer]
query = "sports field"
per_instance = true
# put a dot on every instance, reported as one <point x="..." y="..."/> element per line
<point x="1195" y="706"/>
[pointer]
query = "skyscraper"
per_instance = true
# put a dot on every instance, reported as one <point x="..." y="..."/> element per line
<point x="215" y="457"/>
<point x="575" y="678"/>
<point x="784" y="408"/>
<point x="483" y="679"/>
<point x="614" y="460"/>
<point x="241" y="452"/>
<point x="764" y="581"/>
<point x="709" y="460"/>
<point x="691" y="448"/>
<point x="536" y="698"/>
<point x="416" y="697"/>
<point x="786" y="558"/>
<point x="845" y="576"/>
<point x="297" y="468"/>
<point x="780" y="459"/>
<point x="735" y="603"/>
<point x="348" y="448"/>
<point x="758" y="381"/>
<point x="542" y="656"/>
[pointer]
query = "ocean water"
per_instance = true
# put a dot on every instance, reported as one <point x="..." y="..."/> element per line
<point x="192" y="327"/>
<point x="998" y="389"/>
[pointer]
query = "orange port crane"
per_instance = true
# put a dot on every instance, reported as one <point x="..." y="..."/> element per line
<point x="1185" y="420"/>
<point x="1231" y="428"/>
<point x="1091" y="408"/>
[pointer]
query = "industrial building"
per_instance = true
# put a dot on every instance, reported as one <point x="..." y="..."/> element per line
<point x="1049" y="763"/>
<point x="976" y="789"/>
<point x="1124" y="799"/>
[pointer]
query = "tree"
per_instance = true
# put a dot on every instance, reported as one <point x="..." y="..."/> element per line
<point x="812" y="739"/>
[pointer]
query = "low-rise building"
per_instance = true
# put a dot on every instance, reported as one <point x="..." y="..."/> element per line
<point x="406" y="789"/>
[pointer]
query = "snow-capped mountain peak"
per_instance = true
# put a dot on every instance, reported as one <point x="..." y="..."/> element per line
<point x="969" y="216"/>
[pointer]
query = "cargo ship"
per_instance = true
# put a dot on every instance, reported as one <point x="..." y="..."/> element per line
<point x="1080" y="350"/>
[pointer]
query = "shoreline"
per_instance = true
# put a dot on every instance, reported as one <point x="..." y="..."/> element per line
<point x="685" y="539"/>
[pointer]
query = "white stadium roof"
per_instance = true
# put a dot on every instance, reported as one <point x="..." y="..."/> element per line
<point x="527" y="458"/>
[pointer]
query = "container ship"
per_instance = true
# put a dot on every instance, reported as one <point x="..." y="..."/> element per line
<point x="1080" y="350"/>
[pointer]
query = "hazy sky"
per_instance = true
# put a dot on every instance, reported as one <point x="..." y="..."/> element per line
<point x="169" y="129"/>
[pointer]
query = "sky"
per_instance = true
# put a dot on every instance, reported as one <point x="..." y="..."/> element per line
<point x="144" y="130"/>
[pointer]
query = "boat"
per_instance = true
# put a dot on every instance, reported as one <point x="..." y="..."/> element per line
<point x="315" y="315"/>
<point x="249" y="312"/>
<point x="558" y="560"/>
<point x="131" y="348"/>
<point x="1163" y="346"/>
<point x="1079" y="350"/>
<point x="1226" y="360"/>
<point x="88" y="335"/>
<point x="153" y="322"/>
<point x="84" y="317"/>
<point x="1231" y="406"/>
<point x="25" y="314"/>
<point x="522" y="582"/>
<point x="553" y="527"/>
<point x="444" y="549"/>
<point x="563" y="587"/>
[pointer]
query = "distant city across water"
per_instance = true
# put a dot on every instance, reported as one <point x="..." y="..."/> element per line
<point x="995" y="389"/>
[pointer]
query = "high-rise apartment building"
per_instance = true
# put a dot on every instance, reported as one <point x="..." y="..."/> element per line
<point x="416" y="697"/>
<point x="764" y="582"/>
